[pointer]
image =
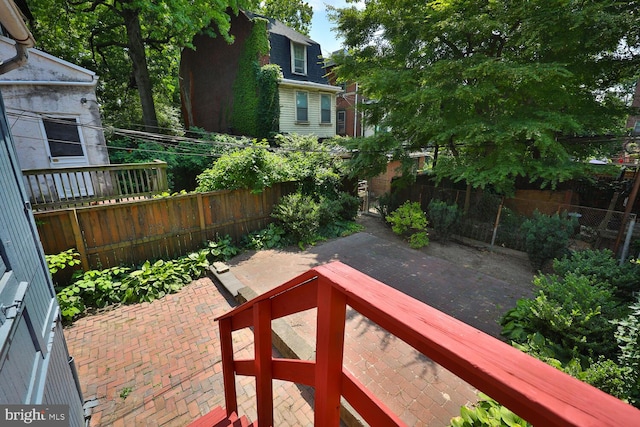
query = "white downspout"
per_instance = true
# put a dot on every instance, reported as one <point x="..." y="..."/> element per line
<point x="13" y="21"/>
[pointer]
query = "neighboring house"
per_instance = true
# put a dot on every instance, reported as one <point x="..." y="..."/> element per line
<point x="349" y="117"/>
<point x="35" y="367"/>
<point x="54" y="117"/>
<point x="53" y="112"/>
<point x="207" y="76"/>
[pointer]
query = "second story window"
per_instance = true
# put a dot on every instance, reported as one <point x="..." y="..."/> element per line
<point x="325" y="108"/>
<point x="302" y="107"/>
<point x="298" y="58"/>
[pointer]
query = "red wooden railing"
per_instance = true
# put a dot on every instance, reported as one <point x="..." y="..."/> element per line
<point x="539" y="393"/>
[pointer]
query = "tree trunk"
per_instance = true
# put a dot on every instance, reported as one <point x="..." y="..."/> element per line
<point x="140" y="70"/>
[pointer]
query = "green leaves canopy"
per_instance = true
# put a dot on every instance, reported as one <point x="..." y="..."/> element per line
<point x="499" y="89"/>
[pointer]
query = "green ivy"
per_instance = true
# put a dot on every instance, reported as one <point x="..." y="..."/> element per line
<point x="255" y="91"/>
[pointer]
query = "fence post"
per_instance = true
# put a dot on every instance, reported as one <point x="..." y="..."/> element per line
<point x="77" y="235"/>
<point x="203" y="225"/>
<point x="627" y="240"/>
<point x="495" y="225"/>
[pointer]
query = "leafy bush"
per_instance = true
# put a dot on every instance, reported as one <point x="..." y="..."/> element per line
<point x="317" y="167"/>
<point x="573" y="314"/>
<point x="547" y="237"/>
<point x="443" y="218"/>
<point x="274" y="236"/>
<point x="300" y="217"/>
<point x="341" y="207"/>
<point x="487" y="412"/>
<point x="410" y="221"/>
<point x="602" y="267"/>
<point x="253" y="168"/>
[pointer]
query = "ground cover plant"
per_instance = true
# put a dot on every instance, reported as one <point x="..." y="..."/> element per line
<point x="96" y="289"/>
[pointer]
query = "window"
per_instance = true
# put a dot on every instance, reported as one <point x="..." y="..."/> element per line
<point x="63" y="137"/>
<point x="341" y="125"/>
<point x="302" y="107"/>
<point x="298" y="58"/>
<point x="325" y="108"/>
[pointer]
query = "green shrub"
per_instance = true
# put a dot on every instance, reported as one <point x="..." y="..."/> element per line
<point x="443" y="218"/>
<point x="602" y="267"/>
<point x="253" y="168"/>
<point x="573" y="314"/>
<point x="409" y="220"/>
<point x="300" y="217"/>
<point x="487" y="412"/>
<point x="547" y="237"/>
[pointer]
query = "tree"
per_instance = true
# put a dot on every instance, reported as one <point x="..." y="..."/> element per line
<point x="133" y="44"/>
<point x="498" y="90"/>
<point x="296" y="14"/>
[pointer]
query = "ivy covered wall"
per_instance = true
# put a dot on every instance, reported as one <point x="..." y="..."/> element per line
<point x="255" y="90"/>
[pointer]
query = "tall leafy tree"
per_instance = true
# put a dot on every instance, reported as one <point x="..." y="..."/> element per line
<point x="296" y="14"/>
<point x="498" y="89"/>
<point x="132" y="44"/>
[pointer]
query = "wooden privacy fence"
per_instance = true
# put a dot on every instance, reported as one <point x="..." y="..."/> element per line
<point x="129" y="233"/>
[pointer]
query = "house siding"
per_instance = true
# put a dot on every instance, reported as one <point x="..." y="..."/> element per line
<point x="33" y="355"/>
<point x="314" y="127"/>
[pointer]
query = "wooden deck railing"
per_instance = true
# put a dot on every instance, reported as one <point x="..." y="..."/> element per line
<point x="539" y="393"/>
<point x="80" y="186"/>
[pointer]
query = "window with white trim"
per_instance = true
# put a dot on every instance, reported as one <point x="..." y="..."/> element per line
<point x="325" y="108"/>
<point x="63" y="137"/>
<point x="298" y="58"/>
<point x="341" y="122"/>
<point x="302" y="106"/>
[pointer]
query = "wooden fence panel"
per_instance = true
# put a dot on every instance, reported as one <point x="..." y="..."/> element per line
<point x="129" y="233"/>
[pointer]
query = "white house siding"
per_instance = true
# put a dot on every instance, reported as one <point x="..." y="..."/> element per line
<point x="47" y="86"/>
<point x="313" y="127"/>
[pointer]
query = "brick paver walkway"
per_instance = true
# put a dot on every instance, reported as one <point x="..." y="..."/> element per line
<point x="158" y="364"/>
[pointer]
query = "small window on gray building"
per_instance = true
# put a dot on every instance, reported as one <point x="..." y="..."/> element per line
<point x="63" y="137"/>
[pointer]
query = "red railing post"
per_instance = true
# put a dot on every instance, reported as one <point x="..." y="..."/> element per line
<point x="329" y="352"/>
<point x="228" y="370"/>
<point x="263" y="368"/>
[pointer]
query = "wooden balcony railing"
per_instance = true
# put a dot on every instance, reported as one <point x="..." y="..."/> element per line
<point x="80" y="186"/>
<point x="539" y="393"/>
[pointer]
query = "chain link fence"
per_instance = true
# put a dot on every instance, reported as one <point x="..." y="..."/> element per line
<point x="497" y="221"/>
